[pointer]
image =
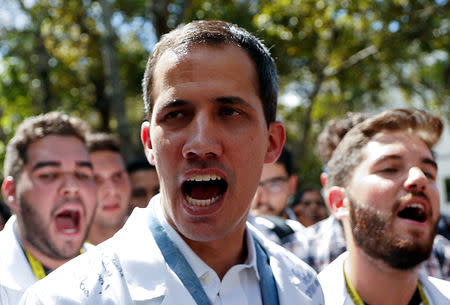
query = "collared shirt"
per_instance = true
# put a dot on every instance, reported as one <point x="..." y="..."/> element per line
<point x="240" y="285"/>
<point x="129" y="268"/>
<point x="333" y="283"/>
<point x="318" y="245"/>
<point x="16" y="274"/>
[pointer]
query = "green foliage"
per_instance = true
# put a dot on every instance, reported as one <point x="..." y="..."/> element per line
<point x="335" y="56"/>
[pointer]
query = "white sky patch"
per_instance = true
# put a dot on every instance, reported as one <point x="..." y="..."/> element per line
<point x="11" y="15"/>
<point x="291" y="99"/>
<point x="438" y="55"/>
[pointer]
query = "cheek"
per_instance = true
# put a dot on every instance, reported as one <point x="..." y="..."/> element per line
<point x="375" y="191"/>
<point x="435" y="197"/>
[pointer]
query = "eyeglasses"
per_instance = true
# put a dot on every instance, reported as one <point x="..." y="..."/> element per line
<point x="273" y="185"/>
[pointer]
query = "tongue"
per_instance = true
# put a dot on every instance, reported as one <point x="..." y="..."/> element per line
<point x="65" y="222"/>
<point x="201" y="191"/>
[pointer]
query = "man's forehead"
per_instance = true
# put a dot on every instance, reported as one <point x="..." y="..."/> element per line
<point x="60" y="149"/>
<point x="107" y="161"/>
<point x="398" y="143"/>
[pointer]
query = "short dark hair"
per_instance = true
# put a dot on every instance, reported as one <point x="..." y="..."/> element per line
<point x="286" y="160"/>
<point x="35" y="128"/>
<point x="333" y="133"/>
<point x="296" y="200"/>
<point x="138" y="164"/>
<point x="5" y="212"/>
<point x="213" y="32"/>
<point x="100" y="141"/>
<point x="349" y="153"/>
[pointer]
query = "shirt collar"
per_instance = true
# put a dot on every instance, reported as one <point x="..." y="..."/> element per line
<point x="199" y="267"/>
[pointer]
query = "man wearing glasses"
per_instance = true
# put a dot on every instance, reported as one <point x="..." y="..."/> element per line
<point x="277" y="184"/>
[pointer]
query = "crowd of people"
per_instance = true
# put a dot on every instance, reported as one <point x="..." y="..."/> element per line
<point x="212" y="213"/>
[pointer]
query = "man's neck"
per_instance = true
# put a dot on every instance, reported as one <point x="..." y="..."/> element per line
<point x="376" y="282"/>
<point x="222" y="254"/>
<point x="99" y="233"/>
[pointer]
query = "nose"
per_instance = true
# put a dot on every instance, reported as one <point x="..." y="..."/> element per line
<point x="70" y="184"/>
<point x="203" y="139"/>
<point x="416" y="180"/>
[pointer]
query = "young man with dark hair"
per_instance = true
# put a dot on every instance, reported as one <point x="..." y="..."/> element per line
<point x="382" y="185"/>
<point x="277" y="184"/>
<point x="50" y="187"/>
<point x="210" y="90"/>
<point x="113" y="186"/>
<point x="144" y="182"/>
<point x="309" y="206"/>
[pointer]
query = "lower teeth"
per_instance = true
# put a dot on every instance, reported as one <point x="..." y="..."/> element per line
<point x="200" y="202"/>
<point x="69" y="231"/>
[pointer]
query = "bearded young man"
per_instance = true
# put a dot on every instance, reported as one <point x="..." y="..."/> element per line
<point x="321" y="243"/>
<point x="210" y="90"/>
<point x="382" y="184"/>
<point x="50" y="187"/>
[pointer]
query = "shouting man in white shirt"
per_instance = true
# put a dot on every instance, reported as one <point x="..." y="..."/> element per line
<point x="210" y="92"/>
<point x="50" y="187"/>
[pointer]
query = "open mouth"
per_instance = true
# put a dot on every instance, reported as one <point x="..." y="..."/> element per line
<point x="414" y="212"/>
<point x="204" y="190"/>
<point x="68" y="221"/>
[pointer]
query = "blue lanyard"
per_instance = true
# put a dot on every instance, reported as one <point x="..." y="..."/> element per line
<point x="177" y="262"/>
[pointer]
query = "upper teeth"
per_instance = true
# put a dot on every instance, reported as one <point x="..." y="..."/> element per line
<point x="416" y="205"/>
<point x="204" y="178"/>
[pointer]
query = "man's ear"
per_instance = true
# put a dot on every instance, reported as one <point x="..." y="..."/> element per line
<point x="147" y="142"/>
<point x="337" y="201"/>
<point x="9" y="194"/>
<point x="323" y="179"/>
<point x="277" y="137"/>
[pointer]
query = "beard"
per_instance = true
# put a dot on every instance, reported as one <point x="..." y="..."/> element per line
<point x="373" y="232"/>
<point x="37" y="234"/>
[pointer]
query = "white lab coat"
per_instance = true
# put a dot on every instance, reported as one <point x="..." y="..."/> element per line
<point x="16" y="274"/>
<point x="130" y="269"/>
<point x="333" y="284"/>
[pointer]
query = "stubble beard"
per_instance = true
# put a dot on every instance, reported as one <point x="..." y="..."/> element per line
<point x="373" y="233"/>
<point x="39" y="236"/>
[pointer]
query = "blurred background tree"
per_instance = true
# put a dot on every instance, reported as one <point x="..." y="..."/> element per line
<point x="87" y="58"/>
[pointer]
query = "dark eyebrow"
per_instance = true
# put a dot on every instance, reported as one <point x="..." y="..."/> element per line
<point x="173" y="104"/>
<point x="85" y="164"/>
<point x="233" y="100"/>
<point x="430" y="162"/>
<point x="42" y="164"/>
<point x="386" y="158"/>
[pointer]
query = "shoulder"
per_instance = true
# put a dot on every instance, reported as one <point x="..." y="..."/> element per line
<point x="436" y="289"/>
<point x="16" y="274"/>
<point x="83" y="280"/>
<point x="105" y="272"/>
<point x="332" y="280"/>
<point x="333" y="269"/>
<point x="291" y="273"/>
